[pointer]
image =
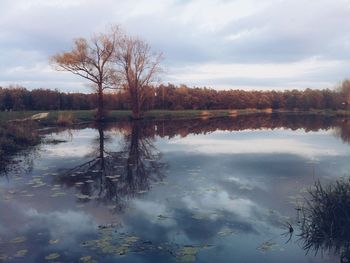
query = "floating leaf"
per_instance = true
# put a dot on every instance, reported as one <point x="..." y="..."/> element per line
<point x="17" y="240"/>
<point x="225" y="232"/>
<point x="266" y="246"/>
<point x="198" y="216"/>
<point x="52" y="256"/>
<point x="122" y="250"/>
<point x="161" y="217"/>
<point x="28" y="195"/>
<point x="21" y="253"/>
<point x="131" y="239"/>
<point x="187" y="254"/>
<point x="187" y="258"/>
<point x="38" y="185"/>
<point x="87" y="259"/>
<point x="113" y="176"/>
<point x="57" y="194"/>
<point x="81" y="196"/>
<point x="54" y="241"/>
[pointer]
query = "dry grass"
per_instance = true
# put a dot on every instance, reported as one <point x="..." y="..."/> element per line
<point x="268" y="110"/>
<point x="65" y="119"/>
<point x="233" y="113"/>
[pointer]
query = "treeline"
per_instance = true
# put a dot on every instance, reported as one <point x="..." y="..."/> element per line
<point x="171" y="97"/>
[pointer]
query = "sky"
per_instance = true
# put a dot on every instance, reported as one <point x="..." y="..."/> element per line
<point x="222" y="44"/>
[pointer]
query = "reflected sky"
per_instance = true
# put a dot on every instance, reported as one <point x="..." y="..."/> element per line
<point x="219" y="195"/>
<point x="262" y="142"/>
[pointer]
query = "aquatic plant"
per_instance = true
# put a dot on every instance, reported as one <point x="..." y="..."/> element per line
<point x="325" y="219"/>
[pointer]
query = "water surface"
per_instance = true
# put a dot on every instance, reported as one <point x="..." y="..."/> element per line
<point x="215" y="190"/>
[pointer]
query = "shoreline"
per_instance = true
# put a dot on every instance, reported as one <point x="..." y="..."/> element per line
<point x="73" y="117"/>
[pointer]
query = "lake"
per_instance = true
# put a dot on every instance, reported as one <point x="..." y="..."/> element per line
<point x="206" y="190"/>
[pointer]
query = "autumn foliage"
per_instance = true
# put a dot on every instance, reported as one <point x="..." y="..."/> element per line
<point x="171" y="97"/>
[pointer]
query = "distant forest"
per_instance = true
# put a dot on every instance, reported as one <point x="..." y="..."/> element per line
<point x="171" y="97"/>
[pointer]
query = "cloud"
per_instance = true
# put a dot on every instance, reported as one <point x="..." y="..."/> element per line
<point x="290" y="75"/>
<point x="221" y="43"/>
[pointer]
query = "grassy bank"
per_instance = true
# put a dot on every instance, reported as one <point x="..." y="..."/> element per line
<point x="15" y="137"/>
<point x="81" y="116"/>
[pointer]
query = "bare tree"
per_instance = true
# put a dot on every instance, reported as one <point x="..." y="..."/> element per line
<point x="92" y="60"/>
<point x="138" y="67"/>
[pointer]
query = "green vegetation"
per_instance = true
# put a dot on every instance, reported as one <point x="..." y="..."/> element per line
<point x="64" y="118"/>
<point x="13" y="115"/>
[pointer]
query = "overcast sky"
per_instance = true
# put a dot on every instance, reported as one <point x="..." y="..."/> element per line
<point x="249" y="44"/>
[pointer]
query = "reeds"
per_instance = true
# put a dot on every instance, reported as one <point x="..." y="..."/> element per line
<point x="325" y="221"/>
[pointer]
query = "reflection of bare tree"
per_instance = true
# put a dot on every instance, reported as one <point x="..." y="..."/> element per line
<point x="325" y="220"/>
<point x="113" y="176"/>
<point x="141" y="158"/>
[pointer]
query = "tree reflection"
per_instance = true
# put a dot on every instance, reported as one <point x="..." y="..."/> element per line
<point x="114" y="176"/>
<point x="325" y="220"/>
<point x="340" y="126"/>
<point x="343" y="131"/>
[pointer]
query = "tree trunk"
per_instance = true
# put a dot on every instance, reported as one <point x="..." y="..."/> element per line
<point x="136" y="110"/>
<point x="100" y="109"/>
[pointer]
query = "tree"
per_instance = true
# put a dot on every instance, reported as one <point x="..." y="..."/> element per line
<point x="92" y="59"/>
<point x="344" y="90"/>
<point x="138" y="67"/>
<point x="8" y="100"/>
